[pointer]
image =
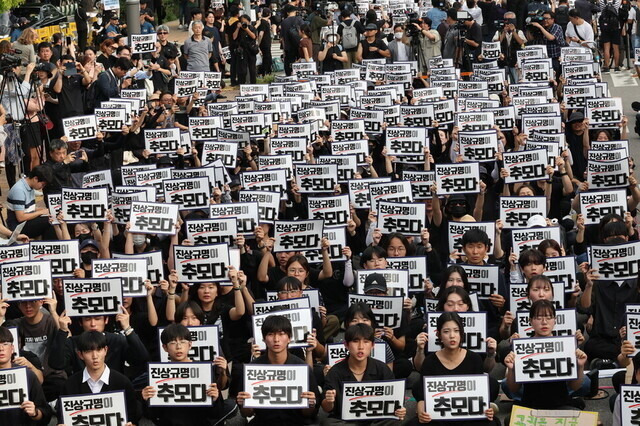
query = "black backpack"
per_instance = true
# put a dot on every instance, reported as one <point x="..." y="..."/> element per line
<point x="609" y="19"/>
<point x="562" y="15"/>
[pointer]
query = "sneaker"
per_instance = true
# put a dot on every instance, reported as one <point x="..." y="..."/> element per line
<point x="605" y="70"/>
<point x="617" y="69"/>
<point x="181" y="27"/>
<point x="602" y="364"/>
<point x="2" y="164"/>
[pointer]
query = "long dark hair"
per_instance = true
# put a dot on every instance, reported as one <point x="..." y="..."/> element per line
<point x="444" y="295"/>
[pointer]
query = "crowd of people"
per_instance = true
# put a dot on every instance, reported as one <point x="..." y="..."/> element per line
<point x="402" y="64"/>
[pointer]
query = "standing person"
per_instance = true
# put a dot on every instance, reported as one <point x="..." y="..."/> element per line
<point x="305" y="47"/>
<point x="70" y="86"/>
<point x="290" y="37"/>
<point x="357" y="367"/>
<point x="586" y="9"/>
<point x="450" y="39"/>
<point x="110" y="82"/>
<point x="80" y="18"/>
<point x="371" y="47"/>
<point x="579" y="31"/>
<point x="317" y="23"/>
<point x="34" y="410"/>
<point x="610" y="32"/>
<point x="549" y="34"/>
<point x="264" y="41"/>
<point x="332" y="56"/>
<point x="399" y="47"/>
<point x="350" y="31"/>
<point x="429" y="46"/>
<point x="276" y="332"/>
<point x="246" y="35"/>
<point x="511" y="41"/>
<point x="198" y="49"/>
<point x="24" y="44"/>
<point x="234" y="43"/>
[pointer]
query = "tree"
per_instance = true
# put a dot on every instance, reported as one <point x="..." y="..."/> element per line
<point x="9" y="4"/>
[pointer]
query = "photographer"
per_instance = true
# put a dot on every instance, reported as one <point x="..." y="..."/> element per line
<point x="428" y="43"/>
<point x="332" y="56"/>
<point x="70" y="84"/>
<point x="511" y="40"/>
<point x="473" y="40"/>
<point x="246" y="37"/>
<point x="549" y="34"/>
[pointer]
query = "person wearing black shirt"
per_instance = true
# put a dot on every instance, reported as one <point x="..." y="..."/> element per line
<point x="473" y="41"/>
<point x="70" y="82"/>
<point x="371" y="47"/>
<point x="264" y="42"/>
<point x="276" y="332"/>
<point x="332" y="56"/>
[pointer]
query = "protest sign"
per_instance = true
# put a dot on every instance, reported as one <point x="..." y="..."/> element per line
<point x="103" y="408"/>
<point x="201" y="264"/>
<point x="387" y="310"/>
<point x="88" y="297"/>
<point x="523" y="239"/>
<point x="268" y="204"/>
<point x="333" y="211"/>
<point x="359" y="193"/>
<point x="615" y="262"/>
<point x="301" y="235"/>
<point x="204" y="128"/>
<point x="142" y="43"/>
<point x="483" y="279"/>
<point x="245" y="214"/>
<point x="180" y="385"/>
<point x="26" y="280"/>
<point x="525" y="166"/>
<point x="516" y="211"/>
<point x="84" y="205"/>
<point x="479" y="145"/>
<point x="110" y="119"/>
<point x="397" y="280"/>
<point x="276" y="386"/>
<point x="80" y="128"/>
<point x="545" y="359"/>
<point x="205" y="343"/>
<point x="162" y="141"/>
<point x="417" y="268"/>
<point x="14" y="387"/>
<point x="132" y="273"/>
<point x="154" y="259"/>
<point x="562" y="270"/>
<point x="458" y="178"/>
<point x="371" y="400"/>
<point x="187" y="194"/>
<point x="212" y="231"/>
<point x="456" y="397"/>
<point x="63" y="255"/>
<point x="408" y="219"/>
<point x="608" y="174"/>
<point x="153" y="218"/>
<point x="121" y="205"/>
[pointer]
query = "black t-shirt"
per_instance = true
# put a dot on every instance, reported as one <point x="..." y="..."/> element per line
<point x="367" y="54"/>
<point x="330" y="64"/>
<point x="159" y="82"/>
<point x="71" y="97"/>
<point x="475" y="33"/>
<point x="265" y="27"/>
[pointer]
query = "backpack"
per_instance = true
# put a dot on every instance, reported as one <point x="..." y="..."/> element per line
<point x="349" y="36"/>
<point x="609" y="18"/>
<point x="562" y="15"/>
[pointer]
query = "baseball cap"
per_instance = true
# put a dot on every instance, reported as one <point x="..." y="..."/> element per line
<point x="89" y="242"/>
<point x="576" y="116"/>
<point x="536" y="220"/>
<point x="371" y="27"/>
<point x="375" y="281"/>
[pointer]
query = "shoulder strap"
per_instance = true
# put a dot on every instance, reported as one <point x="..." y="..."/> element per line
<point x="575" y="28"/>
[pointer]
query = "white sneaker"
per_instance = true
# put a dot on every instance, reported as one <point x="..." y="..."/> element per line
<point x="2" y="164"/>
<point x="181" y="27"/>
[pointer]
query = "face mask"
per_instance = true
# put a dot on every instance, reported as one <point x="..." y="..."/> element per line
<point x="458" y="211"/>
<point x="139" y="240"/>
<point x="398" y="36"/>
<point x="88" y="256"/>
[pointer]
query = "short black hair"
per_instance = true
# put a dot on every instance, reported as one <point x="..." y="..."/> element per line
<point x="175" y="332"/>
<point x="428" y="21"/>
<point x="460" y="291"/>
<point x="289" y="283"/>
<point x="44" y="45"/>
<point x="181" y="311"/>
<point x="42" y="173"/>
<point x="123" y="63"/>
<point x="542" y="307"/>
<point x="275" y="324"/>
<point x="91" y="341"/>
<point x="614" y="228"/>
<point x="359" y="331"/>
<point x="573" y="13"/>
<point x="452" y="13"/>
<point x="532" y="257"/>
<point x="450" y="316"/>
<point x="551" y="14"/>
<point x="67" y="58"/>
<point x="542" y="278"/>
<point x="360" y="308"/>
<point x="475" y="235"/>
<point x="5" y="335"/>
<point x="195" y="12"/>
<point x="368" y="253"/>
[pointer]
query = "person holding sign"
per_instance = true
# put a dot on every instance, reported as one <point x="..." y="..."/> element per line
<point x="176" y="341"/>
<point x="452" y="359"/>
<point x="361" y="313"/>
<point x="549" y="394"/>
<point x="358" y="367"/>
<point x="34" y="408"/>
<point x="96" y="377"/>
<point x="276" y="332"/>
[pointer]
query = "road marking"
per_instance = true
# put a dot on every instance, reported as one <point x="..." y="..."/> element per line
<point x="623" y="79"/>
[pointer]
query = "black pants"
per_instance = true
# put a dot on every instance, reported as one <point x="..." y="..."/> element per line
<point x="267" y="62"/>
<point x="248" y="64"/>
<point x="600" y="347"/>
<point x="236" y="64"/>
<point x="289" y="58"/>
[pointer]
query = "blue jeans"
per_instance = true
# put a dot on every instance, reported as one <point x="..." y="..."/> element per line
<point x="635" y="40"/>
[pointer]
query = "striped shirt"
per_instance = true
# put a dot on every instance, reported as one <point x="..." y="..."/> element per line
<point x="21" y="198"/>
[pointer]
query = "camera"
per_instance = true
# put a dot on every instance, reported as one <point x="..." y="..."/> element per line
<point x="8" y="60"/>
<point x="412" y="30"/>
<point x="499" y="25"/>
<point x="245" y="25"/>
<point x="535" y="16"/>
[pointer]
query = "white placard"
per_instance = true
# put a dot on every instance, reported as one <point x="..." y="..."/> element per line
<point x="245" y="214"/>
<point x="26" y="280"/>
<point x="132" y="273"/>
<point x="523" y="239"/>
<point x="545" y="359"/>
<point x="153" y="218"/>
<point x="458" y="178"/>
<point x="387" y="310"/>
<point x="85" y="205"/>
<point x="14" y="387"/>
<point x="397" y="280"/>
<point x="301" y="235"/>
<point x="616" y="262"/>
<point x="88" y="297"/>
<point x="525" y="166"/>
<point x="80" y="128"/>
<point x="456" y="397"/>
<point x="105" y="408"/>
<point x="372" y="400"/>
<point x="142" y="43"/>
<point x="276" y="386"/>
<point x="408" y="219"/>
<point x="180" y="386"/>
<point x="162" y="141"/>
<point x="187" y="194"/>
<point x="63" y="255"/>
<point x="609" y="174"/>
<point x="516" y="211"/>
<point x="201" y="264"/>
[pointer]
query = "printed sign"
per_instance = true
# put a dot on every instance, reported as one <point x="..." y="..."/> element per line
<point x="483" y="279"/>
<point x="562" y="270"/>
<point x="565" y="323"/>
<point x="110" y="120"/>
<point x="408" y="219"/>
<point x="105" y="408"/>
<point x="200" y="264"/>
<point x="608" y="174"/>
<point x="26" y="280"/>
<point x="371" y="400"/>
<point x="545" y="359"/>
<point x="268" y="204"/>
<point x="212" y="231"/>
<point x="121" y="205"/>
<point x="524" y="239"/>
<point x="162" y="141"/>
<point x="417" y="268"/>
<point x="404" y="141"/>
<point x="301" y="235"/>
<point x="63" y="255"/>
<point x="337" y="352"/>
<point x="14" y="388"/>
<point x="616" y="262"/>
<point x="387" y="310"/>
<point x="245" y="214"/>
<point x="516" y="211"/>
<point x="475" y="328"/>
<point x="153" y="218"/>
<point x="333" y="211"/>
<point x="359" y="193"/>
<point x="397" y="280"/>
<point x="80" y="128"/>
<point x="478" y="146"/>
<point x="204" y="128"/>
<point x="519" y="298"/>
<point x="132" y="273"/>
<point x="180" y="385"/>
<point x="604" y="112"/>
<point x="88" y="297"/>
<point x="154" y="259"/>
<point x="205" y="343"/>
<point x="525" y="166"/>
<point x="456" y="397"/>
<point x="276" y="386"/>
<point x="458" y="178"/>
<point x="187" y="194"/>
<point x="84" y="205"/>
<point x="457" y="230"/>
<point x="301" y="325"/>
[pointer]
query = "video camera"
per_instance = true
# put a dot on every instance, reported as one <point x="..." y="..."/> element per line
<point x="535" y="17"/>
<point x="9" y="60"/>
<point x="412" y="30"/>
<point x="461" y="17"/>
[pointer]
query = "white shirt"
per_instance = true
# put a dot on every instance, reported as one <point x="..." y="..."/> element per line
<point x="476" y="13"/>
<point x="585" y="31"/>
<point x="632" y="17"/>
<point x="96" y="386"/>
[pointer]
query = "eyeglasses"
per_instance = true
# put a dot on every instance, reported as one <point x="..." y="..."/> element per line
<point x="5" y="345"/>
<point x="163" y="32"/>
<point x="178" y="343"/>
<point x="544" y="318"/>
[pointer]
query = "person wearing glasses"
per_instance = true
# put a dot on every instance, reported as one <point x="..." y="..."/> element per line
<point x="176" y="341"/>
<point x="549" y="34"/>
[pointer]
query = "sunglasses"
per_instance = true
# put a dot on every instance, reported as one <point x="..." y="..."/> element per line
<point x="162" y="32"/>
